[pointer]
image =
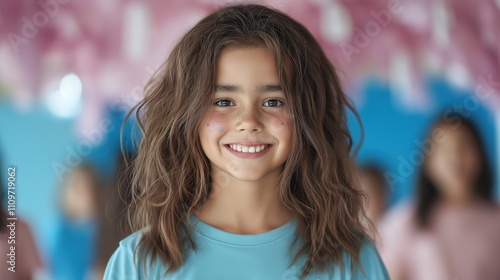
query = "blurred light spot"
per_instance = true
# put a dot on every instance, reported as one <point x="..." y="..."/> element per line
<point x="66" y="102"/>
<point x="440" y="22"/>
<point x="458" y="75"/>
<point x="135" y="30"/>
<point x="400" y="78"/>
<point x="71" y="86"/>
<point x="415" y="14"/>
<point x="336" y="23"/>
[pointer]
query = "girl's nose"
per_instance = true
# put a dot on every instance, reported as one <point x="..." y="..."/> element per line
<point x="249" y="121"/>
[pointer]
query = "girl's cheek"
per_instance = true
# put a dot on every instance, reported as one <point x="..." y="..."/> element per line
<point x="213" y="124"/>
<point x="281" y="125"/>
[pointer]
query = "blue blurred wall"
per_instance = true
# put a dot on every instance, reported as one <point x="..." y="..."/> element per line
<point x="32" y="142"/>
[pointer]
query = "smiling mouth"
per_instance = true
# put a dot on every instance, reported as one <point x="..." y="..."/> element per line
<point x="248" y="148"/>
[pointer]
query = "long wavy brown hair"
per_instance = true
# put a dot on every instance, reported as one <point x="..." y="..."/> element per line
<point x="171" y="174"/>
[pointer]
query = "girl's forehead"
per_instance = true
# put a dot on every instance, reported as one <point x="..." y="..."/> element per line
<point x="244" y="50"/>
<point x="452" y="129"/>
<point x="446" y="134"/>
<point x="246" y="63"/>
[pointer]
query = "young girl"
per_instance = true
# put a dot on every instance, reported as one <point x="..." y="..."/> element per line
<point x="74" y="253"/>
<point x="452" y="231"/>
<point x="244" y="169"/>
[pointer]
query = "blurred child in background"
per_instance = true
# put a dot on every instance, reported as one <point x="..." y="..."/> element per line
<point x="75" y="250"/>
<point x="375" y="186"/>
<point x="452" y="231"/>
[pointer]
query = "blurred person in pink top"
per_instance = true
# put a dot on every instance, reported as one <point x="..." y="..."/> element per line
<point x="452" y="230"/>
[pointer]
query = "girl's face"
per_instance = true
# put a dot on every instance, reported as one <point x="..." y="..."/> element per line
<point x="246" y="132"/>
<point x="454" y="164"/>
<point x="373" y="187"/>
<point x="78" y="197"/>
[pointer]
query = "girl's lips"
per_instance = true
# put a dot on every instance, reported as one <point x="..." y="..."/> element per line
<point x="249" y="155"/>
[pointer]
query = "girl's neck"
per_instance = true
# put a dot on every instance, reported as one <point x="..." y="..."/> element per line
<point x="244" y="207"/>
<point x="461" y="201"/>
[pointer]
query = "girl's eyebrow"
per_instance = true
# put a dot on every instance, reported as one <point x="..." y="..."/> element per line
<point x="237" y="89"/>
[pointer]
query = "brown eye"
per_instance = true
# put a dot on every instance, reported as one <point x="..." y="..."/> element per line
<point x="273" y="103"/>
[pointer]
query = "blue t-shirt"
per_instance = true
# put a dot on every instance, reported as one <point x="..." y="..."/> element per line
<point x="222" y="255"/>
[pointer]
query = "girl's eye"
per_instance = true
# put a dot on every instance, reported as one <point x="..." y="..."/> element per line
<point x="224" y="103"/>
<point x="273" y="103"/>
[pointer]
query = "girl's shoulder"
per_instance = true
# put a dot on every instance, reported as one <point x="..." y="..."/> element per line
<point x="370" y="265"/>
<point x="132" y="241"/>
<point x="124" y="263"/>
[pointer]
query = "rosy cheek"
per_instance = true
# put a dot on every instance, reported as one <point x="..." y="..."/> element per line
<point x="213" y="124"/>
<point x="281" y="126"/>
<point x="281" y="123"/>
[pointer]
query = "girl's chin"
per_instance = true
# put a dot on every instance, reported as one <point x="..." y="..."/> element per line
<point x="247" y="177"/>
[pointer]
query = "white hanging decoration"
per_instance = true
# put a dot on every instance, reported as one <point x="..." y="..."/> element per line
<point x="135" y="31"/>
<point x="458" y="75"/>
<point x="336" y="24"/>
<point x="402" y="87"/>
<point x="440" y="24"/>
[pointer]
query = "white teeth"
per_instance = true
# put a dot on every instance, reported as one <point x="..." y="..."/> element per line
<point x="247" y="149"/>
